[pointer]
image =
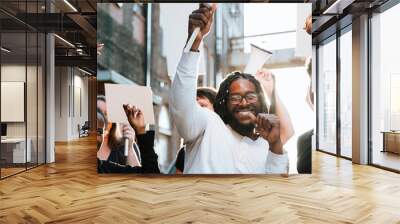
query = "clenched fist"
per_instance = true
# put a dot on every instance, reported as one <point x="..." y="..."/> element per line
<point x="308" y="25"/>
<point x="202" y="18"/>
<point x="266" y="79"/>
<point x="268" y="127"/>
<point x="135" y="118"/>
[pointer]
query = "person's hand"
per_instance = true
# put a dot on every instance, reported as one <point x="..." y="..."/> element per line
<point x="308" y="25"/>
<point x="99" y="48"/>
<point x="268" y="127"/>
<point x="128" y="132"/>
<point x="135" y="118"/>
<point x="266" y="79"/>
<point x="202" y="18"/>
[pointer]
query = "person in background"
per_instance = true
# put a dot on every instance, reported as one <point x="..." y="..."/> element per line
<point x="110" y="152"/>
<point x="101" y="124"/>
<point x="99" y="48"/>
<point x="304" y="142"/>
<point x="308" y="25"/>
<point x="111" y="144"/>
<point x="102" y="107"/>
<point x="145" y="139"/>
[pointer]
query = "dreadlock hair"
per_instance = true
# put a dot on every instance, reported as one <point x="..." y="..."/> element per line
<point x="222" y="98"/>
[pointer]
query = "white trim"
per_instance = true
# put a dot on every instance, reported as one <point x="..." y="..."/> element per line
<point x="64" y="40"/>
<point x="70" y="5"/>
<point x="338" y="6"/>
<point x="5" y="50"/>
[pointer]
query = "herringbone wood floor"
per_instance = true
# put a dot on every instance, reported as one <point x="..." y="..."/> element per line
<point x="70" y="191"/>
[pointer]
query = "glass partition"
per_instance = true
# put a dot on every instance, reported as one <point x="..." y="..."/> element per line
<point x="22" y="89"/>
<point x="13" y="95"/>
<point x="385" y="89"/>
<point x="346" y="93"/>
<point x="327" y="96"/>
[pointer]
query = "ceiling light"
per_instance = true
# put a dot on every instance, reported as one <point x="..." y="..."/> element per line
<point x="65" y="41"/>
<point x="84" y="71"/>
<point x="338" y="6"/>
<point x="70" y="5"/>
<point x="5" y="50"/>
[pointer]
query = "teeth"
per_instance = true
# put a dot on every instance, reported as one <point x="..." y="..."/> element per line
<point x="244" y="112"/>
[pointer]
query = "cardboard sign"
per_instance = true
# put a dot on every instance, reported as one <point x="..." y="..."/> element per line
<point x="119" y="94"/>
<point x="257" y="59"/>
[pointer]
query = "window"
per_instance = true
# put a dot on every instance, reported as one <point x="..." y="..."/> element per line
<point x="22" y="76"/>
<point x="346" y="93"/>
<point x="385" y="89"/>
<point x="327" y="96"/>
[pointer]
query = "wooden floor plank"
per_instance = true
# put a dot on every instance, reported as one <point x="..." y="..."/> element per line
<point x="70" y="191"/>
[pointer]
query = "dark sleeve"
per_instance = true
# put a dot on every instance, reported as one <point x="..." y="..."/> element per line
<point x="147" y="153"/>
<point x="304" y="145"/>
<point x="113" y="167"/>
<point x="180" y="159"/>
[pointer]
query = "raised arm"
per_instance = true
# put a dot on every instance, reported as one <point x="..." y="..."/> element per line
<point x="287" y="130"/>
<point x="147" y="153"/>
<point x="189" y="118"/>
<point x="286" y="126"/>
<point x="145" y="140"/>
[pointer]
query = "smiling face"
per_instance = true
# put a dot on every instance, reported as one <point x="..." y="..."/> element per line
<point x="243" y="101"/>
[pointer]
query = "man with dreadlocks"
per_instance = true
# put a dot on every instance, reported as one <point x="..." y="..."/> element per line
<point x="241" y="137"/>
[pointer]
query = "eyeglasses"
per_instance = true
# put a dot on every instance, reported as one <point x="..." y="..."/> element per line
<point x="237" y="98"/>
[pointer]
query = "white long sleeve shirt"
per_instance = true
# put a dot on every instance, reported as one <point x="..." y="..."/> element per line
<point x="212" y="147"/>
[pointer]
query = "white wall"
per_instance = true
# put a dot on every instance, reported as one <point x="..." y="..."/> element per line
<point x="70" y="83"/>
<point x="33" y="127"/>
<point x="16" y="73"/>
<point x="80" y="84"/>
<point x="61" y="103"/>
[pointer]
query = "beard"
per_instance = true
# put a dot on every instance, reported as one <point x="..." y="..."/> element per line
<point x="241" y="128"/>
